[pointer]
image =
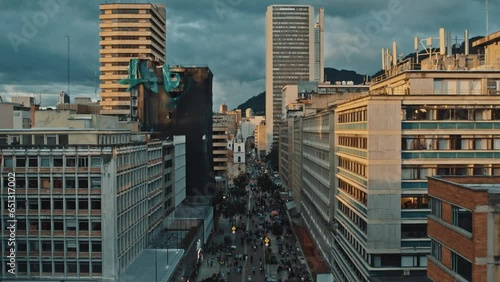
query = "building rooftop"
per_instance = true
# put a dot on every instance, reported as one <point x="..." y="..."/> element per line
<point x="490" y="184"/>
<point x="153" y="265"/>
<point x="487" y="40"/>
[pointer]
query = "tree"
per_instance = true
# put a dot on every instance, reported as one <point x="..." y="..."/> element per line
<point x="265" y="183"/>
<point x="241" y="181"/>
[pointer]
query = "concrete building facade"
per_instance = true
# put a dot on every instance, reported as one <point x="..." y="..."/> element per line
<point x="463" y="226"/>
<point x="220" y="145"/>
<point x="13" y="115"/>
<point x="437" y="117"/>
<point x="89" y="199"/>
<point x="260" y="140"/>
<point x="127" y="31"/>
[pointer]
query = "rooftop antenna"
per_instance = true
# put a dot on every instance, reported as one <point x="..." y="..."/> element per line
<point x="40" y="97"/>
<point x="487" y="32"/>
<point x="67" y="61"/>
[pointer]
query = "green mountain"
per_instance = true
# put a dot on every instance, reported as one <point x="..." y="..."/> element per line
<point x="258" y="102"/>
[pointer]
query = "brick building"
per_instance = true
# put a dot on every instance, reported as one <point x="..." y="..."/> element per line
<point x="464" y="227"/>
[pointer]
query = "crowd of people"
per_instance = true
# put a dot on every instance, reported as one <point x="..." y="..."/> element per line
<point x="266" y="213"/>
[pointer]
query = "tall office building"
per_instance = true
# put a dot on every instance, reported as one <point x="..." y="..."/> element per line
<point x="319" y="38"/>
<point x="127" y="31"/>
<point x="291" y="42"/>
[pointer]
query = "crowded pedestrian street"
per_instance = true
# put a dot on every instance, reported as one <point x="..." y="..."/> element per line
<point x="254" y="245"/>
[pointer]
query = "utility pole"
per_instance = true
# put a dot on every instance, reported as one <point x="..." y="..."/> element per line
<point x="487" y="32"/>
<point x="67" y="62"/>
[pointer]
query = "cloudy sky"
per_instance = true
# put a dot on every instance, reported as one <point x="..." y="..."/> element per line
<point x="227" y="35"/>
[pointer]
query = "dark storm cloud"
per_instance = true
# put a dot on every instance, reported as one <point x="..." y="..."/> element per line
<point x="227" y="35"/>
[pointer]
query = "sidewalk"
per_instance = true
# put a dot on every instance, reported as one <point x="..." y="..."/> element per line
<point x="206" y="271"/>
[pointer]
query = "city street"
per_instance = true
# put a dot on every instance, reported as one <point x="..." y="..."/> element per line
<point x="244" y="258"/>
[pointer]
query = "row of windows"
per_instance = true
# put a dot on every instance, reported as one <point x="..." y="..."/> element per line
<point x="55" y="204"/>
<point x="321" y="120"/>
<point x="355" y="192"/>
<point x="35" y="162"/>
<point x="453" y="142"/>
<point x="354" y="217"/>
<point x="69" y="245"/>
<point x="318" y="137"/>
<point x="56" y="224"/>
<point x="420" y="172"/>
<point x="414" y="202"/>
<point x="353" y="116"/>
<point x="134" y="158"/>
<point x="413" y="231"/>
<point x="35" y="139"/>
<point x="127" y="46"/>
<point x="353" y="166"/>
<point x="56" y="267"/>
<point x="70" y="181"/>
<point x="445" y="112"/>
<point x="354" y="142"/>
<point x="316" y="153"/>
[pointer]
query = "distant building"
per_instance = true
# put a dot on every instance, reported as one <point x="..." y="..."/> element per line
<point x="220" y="150"/>
<point x="15" y="116"/>
<point x="464" y="226"/>
<point x="127" y="31"/>
<point x="248" y="113"/>
<point x="82" y="105"/>
<point x="290" y="26"/>
<point x="26" y="101"/>
<point x="232" y="122"/>
<point x="83" y="100"/>
<point x="223" y="108"/>
<point x="260" y="140"/>
<point x="247" y="129"/>
<point x="63" y="98"/>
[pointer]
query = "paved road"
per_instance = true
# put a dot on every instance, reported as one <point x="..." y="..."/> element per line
<point x="250" y="245"/>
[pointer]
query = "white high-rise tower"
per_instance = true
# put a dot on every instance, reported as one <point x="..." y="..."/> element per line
<point x="294" y="52"/>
